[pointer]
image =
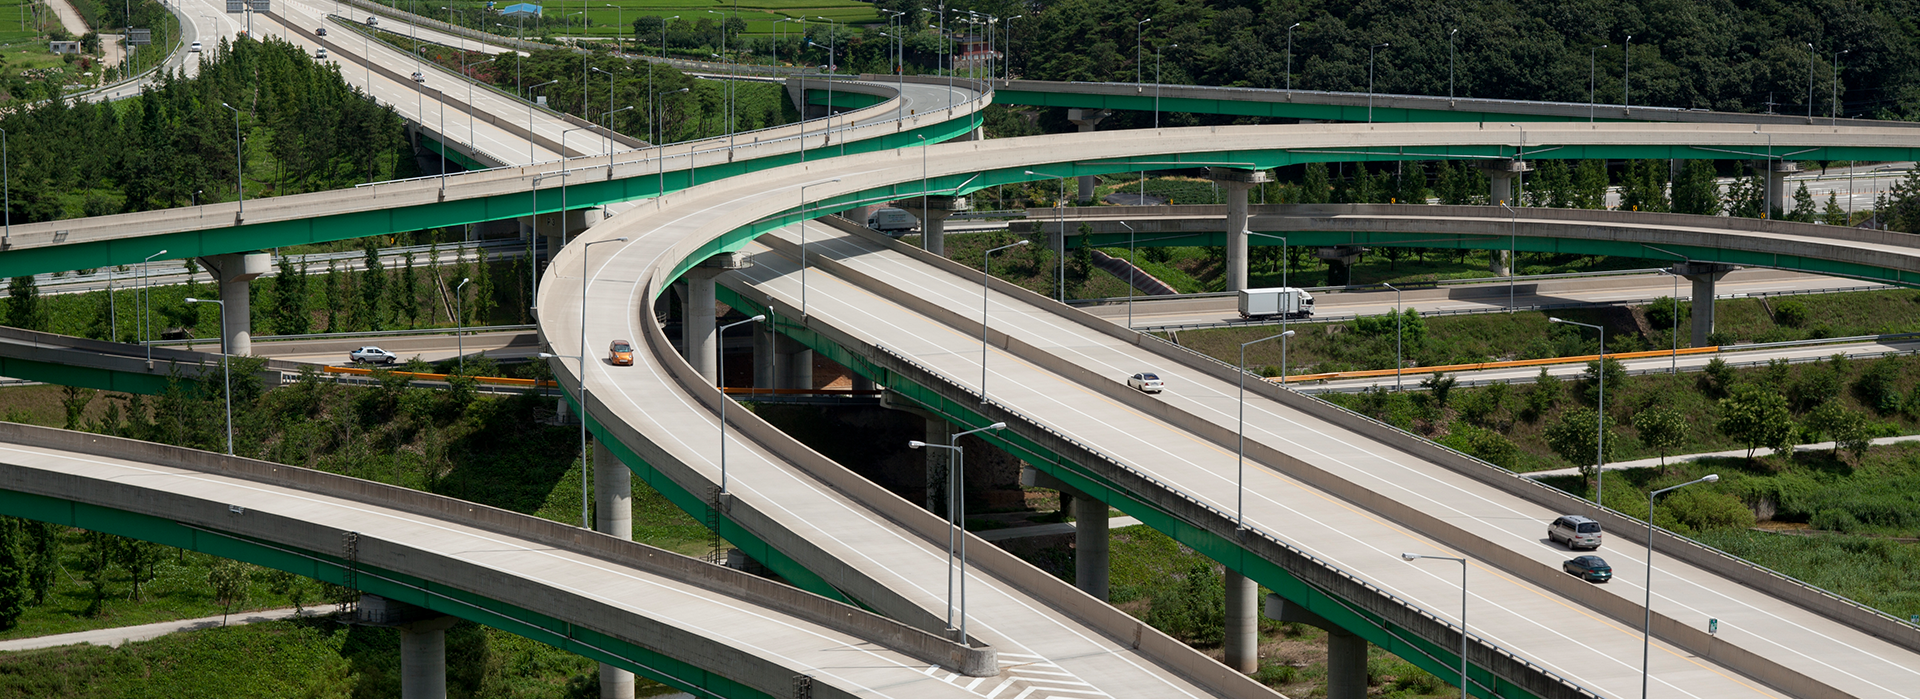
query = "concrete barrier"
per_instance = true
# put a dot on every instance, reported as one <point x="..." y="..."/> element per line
<point x="756" y="590"/>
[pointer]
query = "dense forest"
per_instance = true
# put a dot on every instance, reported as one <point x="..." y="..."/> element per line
<point x="1736" y="55"/>
<point x="303" y="129"/>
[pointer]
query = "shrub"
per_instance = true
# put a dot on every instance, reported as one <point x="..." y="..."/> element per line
<point x="1660" y="313"/>
<point x="1719" y="377"/>
<point x="1541" y="397"/>
<point x="1834" y="519"/>
<point x="1485" y="444"/>
<point x="1699" y="510"/>
<point x="1791" y="313"/>
<point x="1878" y="385"/>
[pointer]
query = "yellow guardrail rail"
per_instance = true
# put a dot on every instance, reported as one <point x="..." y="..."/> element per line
<point x="509" y="381"/>
<point x="1357" y="374"/>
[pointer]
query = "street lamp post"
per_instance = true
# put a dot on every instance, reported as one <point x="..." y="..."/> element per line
<point x="610" y="144"/>
<point x="1674" y="359"/>
<point x="238" y="164"/>
<point x="586" y="280"/>
<point x="1833" y="110"/>
<point x="1139" y="28"/>
<point x="1592" y="55"/>
<point x="1409" y="556"/>
<point x="146" y="335"/>
<point x="721" y="341"/>
<point x="564" y="170"/>
<point x="1370" y="53"/>
<point x="956" y="505"/>
<point x="1451" y="56"/>
<point x="620" y="25"/>
<point x="986" y="283"/>
<point x="1513" y="258"/>
<point x="460" y="339"/>
<point x="1626" y="79"/>
<point x="1646" y="630"/>
<point x="1600" y="429"/>
<point x="1809" y="82"/>
<point x="1059" y="206"/>
<point x="530" y="155"/>
<point x="226" y="364"/>
<point x="1132" y="265"/>
<point x="803" y="244"/>
<point x="6" y="176"/>
<point x="1240" y="480"/>
<point x="1156" y="84"/>
<point x="659" y="145"/>
<point x="1398" y="315"/>
<point x="1290" y="29"/>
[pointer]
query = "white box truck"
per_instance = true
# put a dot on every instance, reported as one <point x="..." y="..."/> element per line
<point x="892" y="221"/>
<point x="1291" y="302"/>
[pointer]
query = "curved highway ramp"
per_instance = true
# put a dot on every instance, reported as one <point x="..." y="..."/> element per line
<point x="705" y="629"/>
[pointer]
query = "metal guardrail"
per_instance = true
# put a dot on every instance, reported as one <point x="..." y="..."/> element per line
<point x="1461" y="282"/>
<point x="348" y="335"/>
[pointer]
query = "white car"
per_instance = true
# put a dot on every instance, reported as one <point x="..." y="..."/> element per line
<point x="194" y="47"/>
<point x="1148" y="382"/>
<point x="418" y="78"/>
<point x="373" y="355"/>
<point x="321" y="53"/>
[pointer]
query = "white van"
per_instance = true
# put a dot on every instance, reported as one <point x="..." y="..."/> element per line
<point x="892" y="221"/>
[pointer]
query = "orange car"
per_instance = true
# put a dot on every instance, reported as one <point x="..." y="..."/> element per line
<point x="620" y="353"/>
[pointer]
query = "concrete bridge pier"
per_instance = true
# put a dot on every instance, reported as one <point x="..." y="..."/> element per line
<point x="702" y="340"/>
<point x="235" y="272"/>
<point x="1339" y="260"/>
<point x="423" y="643"/>
<point x="794" y="364"/>
<point x="1092" y="543"/>
<point x="1501" y="175"/>
<point x="1236" y="183"/>
<point x="1086" y="120"/>
<point x="1703" y="275"/>
<point x="557" y="229"/>
<point x="933" y="210"/>
<point x="1779" y="200"/>
<point x="1243" y="623"/>
<point x="1346" y="651"/>
<point x="765" y="371"/>
<point x="613" y="515"/>
<point x="937" y="461"/>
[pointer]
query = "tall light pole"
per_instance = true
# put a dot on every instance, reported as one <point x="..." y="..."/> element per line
<point x="1592" y="55"/>
<point x="586" y="280"/>
<point x="530" y="155"/>
<point x="956" y="506"/>
<point x="1833" y="112"/>
<point x="610" y="145"/>
<point x="1370" y="53"/>
<point x="146" y="314"/>
<point x="1132" y="264"/>
<point x="226" y="364"/>
<point x="803" y="244"/>
<point x="1290" y="29"/>
<point x="1626" y="79"/>
<point x="1139" y="28"/>
<point x="1060" y="209"/>
<point x="609" y="75"/>
<point x="239" y="165"/>
<point x="564" y="170"/>
<point x="1646" y="629"/>
<point x="1809" y="82"/>
<point x="1600" y="428"/>
<point x="1674" y="365"/>
<point x="1398" y="314"/>
<point x="1240" y="480"/>
<point x="660" y="145"/>
<point x="6" y="176"/>
<point x="986" y="283"/>
<point x="460" y="338"/>
<point x="1409" y="556"/>
<point x="1513" y="258"/>
<point x="1451" y="56"/>
<point x="721" y="341"/>
<point x="1156" y="84"/>
<point x="620" y="24"/>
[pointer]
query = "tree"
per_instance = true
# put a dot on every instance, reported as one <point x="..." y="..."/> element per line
<point x="1315" y="186"/>
<point x="1698" y="189"/>
<point x="648" y="28"/>
<point x="1661" y="428"/>
<point x="231" y="585"/>
<point x="1589" y="190"/>
<point x="293" y="586"/>
<point x="290" y="312"/>
<point x="409" y="311"/>
<point x="1757" y="418"/>
<point x="1441" y="387"/>
<point x="1576" y="438"/>
<point x="96" y="559"/>
<point x="373" y="285"/>
<point x="1847" y="428"/>
<point x="16" y="585"/>
<point x="1644" y="186"/>
<point x="24" y="309"/>
<point x="1832" y="214"/>
<point x="1802" y="206"/>
<point x="138" y="558"/>
<point x="483" y="297"/>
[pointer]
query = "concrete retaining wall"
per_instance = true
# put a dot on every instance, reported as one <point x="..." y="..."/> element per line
<point x="729" y="582"/>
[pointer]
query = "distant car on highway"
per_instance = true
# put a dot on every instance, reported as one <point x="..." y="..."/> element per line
<point x="320" y="53"/>
<point x="620" y="353"/>
<point x="320" y="32"/>
<point x="373" y="21"/>
<point x="1577" y="531"/>
<point x="1589" y="568"/>
<point x="1149" y="382"/>
<point x="418" y="78"/>
<point x="194" y="47"/>
<point x="372" y="355"/>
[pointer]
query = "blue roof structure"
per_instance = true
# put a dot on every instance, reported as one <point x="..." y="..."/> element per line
<point x="521" y="10"/>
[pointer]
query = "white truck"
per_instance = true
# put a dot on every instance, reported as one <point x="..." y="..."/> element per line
<point x="892" y="221"/>
<point x="1290" y="302"/>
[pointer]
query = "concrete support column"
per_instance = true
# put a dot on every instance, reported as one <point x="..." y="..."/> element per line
<point x="613" y="515"/>
<point x="1236" y="183"/>
<point x="1339" y="260"/>
<point x="862" y="383"/>
<point x="702" y="342"/>
<point x="235" y="273"/>
<point x="1703" y="276"/>
<point x="795" y="367"/>
<point x="1243" y="623"/>
<point x="1086" y="120"/>
<point x="1500" y="263"/>
<point x="1501" y="174"/>
<point x="1778" y="198"/>
<point x="423" y="658"/>
<point x="1346" y="651"/>
<point x="1090" y="545"/>
<point x="932" y="212"/>
<point x="764" y="373"/>
<point x="938" y="462"/>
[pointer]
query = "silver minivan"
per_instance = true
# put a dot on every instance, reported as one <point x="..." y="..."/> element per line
<point x="1578" y="531"/>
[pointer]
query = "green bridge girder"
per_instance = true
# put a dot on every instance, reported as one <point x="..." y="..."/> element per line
<point x="1443" y="662"/>
<point x="89" y="377"/>
<point x="332" y="568"/>
<point x="1525" y="244"/>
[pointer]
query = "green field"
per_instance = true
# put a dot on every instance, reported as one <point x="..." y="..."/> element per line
<point x="604" y="21"/>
